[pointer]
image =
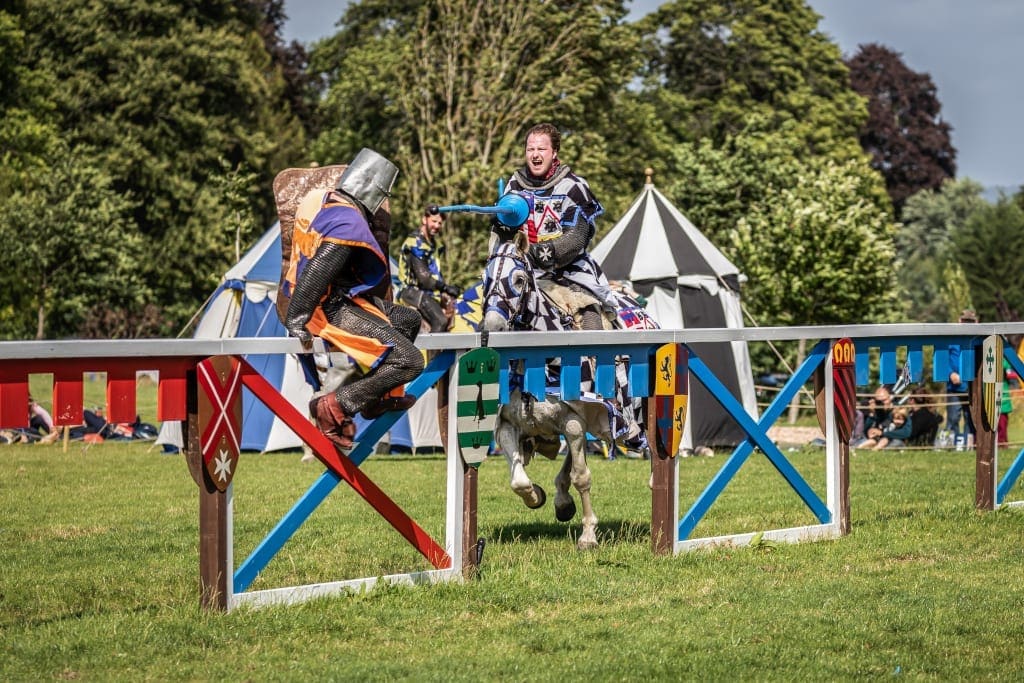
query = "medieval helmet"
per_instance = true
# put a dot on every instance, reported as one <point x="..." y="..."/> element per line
<point x="368" y="179"/>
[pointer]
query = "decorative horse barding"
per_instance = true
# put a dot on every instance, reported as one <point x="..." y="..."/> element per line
<point x="177" y="359"/>
<point x="529" y="422"/>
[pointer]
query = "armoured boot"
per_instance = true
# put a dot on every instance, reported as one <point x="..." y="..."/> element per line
<point x="332" y="420"/>
<point x="387" y="404"/>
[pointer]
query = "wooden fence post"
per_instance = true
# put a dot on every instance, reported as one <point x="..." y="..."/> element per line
<point x="985" y="425"/>
<point x="212" y="511"/>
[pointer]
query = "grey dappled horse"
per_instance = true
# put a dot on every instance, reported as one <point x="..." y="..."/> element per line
<point x="526" y="424"/>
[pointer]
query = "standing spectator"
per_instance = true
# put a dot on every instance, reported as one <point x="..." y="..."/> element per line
<point x="958" y="413"/>
<point x="419" y="271"/>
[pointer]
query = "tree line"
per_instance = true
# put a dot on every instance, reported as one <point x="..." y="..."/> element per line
<point x="140" y="139"/>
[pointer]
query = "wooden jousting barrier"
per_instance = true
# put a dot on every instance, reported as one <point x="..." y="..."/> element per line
<point x="200" y="382"/>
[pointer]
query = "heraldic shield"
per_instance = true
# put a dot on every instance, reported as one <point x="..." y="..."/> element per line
<point x="477" y="403"/>
<point x="220" y="417"/>
<point x="844" y="386"/>
<point x="671" y="388"/>
<point x="992" y="380"/>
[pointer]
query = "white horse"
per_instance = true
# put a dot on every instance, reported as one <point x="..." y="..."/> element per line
<point x="525" y="425"/>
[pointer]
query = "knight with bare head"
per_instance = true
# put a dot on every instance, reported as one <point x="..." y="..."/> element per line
<point x="560" y="224"/>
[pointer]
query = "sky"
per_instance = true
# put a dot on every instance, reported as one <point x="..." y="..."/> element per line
<point x="972" y="49"/>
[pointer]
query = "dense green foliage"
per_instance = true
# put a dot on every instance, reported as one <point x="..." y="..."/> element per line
<point x="931" y="277"/>
<point x="990" y="249"/>
<point x="818" y="252"/>
<point x="448" y="88"/>
<point x="713" y="66"/>
<point x="99" y="577"/>
<point x="139" y="142"/>
<point x="170" y="104"/>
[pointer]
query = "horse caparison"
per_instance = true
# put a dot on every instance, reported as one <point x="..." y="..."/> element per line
<point x="526" y="424"/>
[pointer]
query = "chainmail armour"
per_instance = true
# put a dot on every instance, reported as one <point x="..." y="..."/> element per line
<point x="331" y="279"/>
<point x="420" y="273"/>
<point x="402" y="365"/>
<point x="559" y="228"/>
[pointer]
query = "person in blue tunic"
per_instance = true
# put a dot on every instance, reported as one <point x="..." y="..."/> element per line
<point x="419" y="270"/>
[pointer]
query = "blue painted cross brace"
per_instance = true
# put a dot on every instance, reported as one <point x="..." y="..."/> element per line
<point x="326" y="482"/>
<point x="757" y="434"/>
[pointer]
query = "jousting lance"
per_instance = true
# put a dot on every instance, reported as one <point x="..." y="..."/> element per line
<point x="511" y="210"/>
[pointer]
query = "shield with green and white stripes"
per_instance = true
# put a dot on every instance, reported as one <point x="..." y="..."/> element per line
<point x="477" y="403"/>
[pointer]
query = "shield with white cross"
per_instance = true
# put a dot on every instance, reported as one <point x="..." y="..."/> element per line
<point x="220" y="417"/>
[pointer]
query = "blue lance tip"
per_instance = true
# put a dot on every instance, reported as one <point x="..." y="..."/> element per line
<point x="511" y="210"/>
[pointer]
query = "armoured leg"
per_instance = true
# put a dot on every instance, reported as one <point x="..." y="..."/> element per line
<point x="592" y="318"/>
<point x="434" y="315"/>
<point x="402" y="364"/>
<point x="427" y="307"/>
<point x="402" y="318"/>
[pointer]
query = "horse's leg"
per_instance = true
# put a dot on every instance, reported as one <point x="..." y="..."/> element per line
<point x="565" y="506"/>
<point x="575" y="432"/>
<point x="507" y="436"/>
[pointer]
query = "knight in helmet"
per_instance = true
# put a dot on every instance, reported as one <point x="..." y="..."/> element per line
<point x="336" y="264"/>
<point x="560" y="224"/>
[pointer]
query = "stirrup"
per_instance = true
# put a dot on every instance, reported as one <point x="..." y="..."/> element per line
<point x="388" y="404"/>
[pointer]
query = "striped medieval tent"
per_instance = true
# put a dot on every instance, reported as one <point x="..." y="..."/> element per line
<point x="688" y="283"/>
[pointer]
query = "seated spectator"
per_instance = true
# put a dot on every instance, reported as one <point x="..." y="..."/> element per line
<point x="876" y="414"/>
<point x="879" y="410"/>
<point x="925" y="420"/>
<point x="892" y="435"/>
<point x="40" y="427"/>
<point x="39" y="419"/>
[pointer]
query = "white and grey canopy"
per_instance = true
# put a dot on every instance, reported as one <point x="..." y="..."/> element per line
<point x="688" y="283"/>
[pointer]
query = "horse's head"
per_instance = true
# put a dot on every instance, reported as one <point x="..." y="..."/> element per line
<point x="508" y="285"/>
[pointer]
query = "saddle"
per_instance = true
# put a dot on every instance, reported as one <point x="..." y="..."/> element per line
<point x="571" y="301"/>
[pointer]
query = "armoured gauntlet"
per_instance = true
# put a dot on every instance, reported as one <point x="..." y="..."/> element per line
<point x="314" y="283"/>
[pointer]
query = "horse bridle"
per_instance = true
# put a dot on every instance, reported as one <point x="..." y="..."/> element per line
<point x="515" y="320"/>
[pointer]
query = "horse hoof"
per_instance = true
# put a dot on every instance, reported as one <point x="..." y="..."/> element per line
<point x="586" y="545"/>
<point x="566" y="512"/>
<point x="541" y="498"/>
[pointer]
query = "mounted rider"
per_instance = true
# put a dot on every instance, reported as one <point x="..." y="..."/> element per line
<point x="419" y="270"/>
<point x="560" y="226"/>
<point x="336" y="264"/>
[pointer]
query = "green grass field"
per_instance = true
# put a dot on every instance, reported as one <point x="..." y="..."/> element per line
<point x="99" y="577"/>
